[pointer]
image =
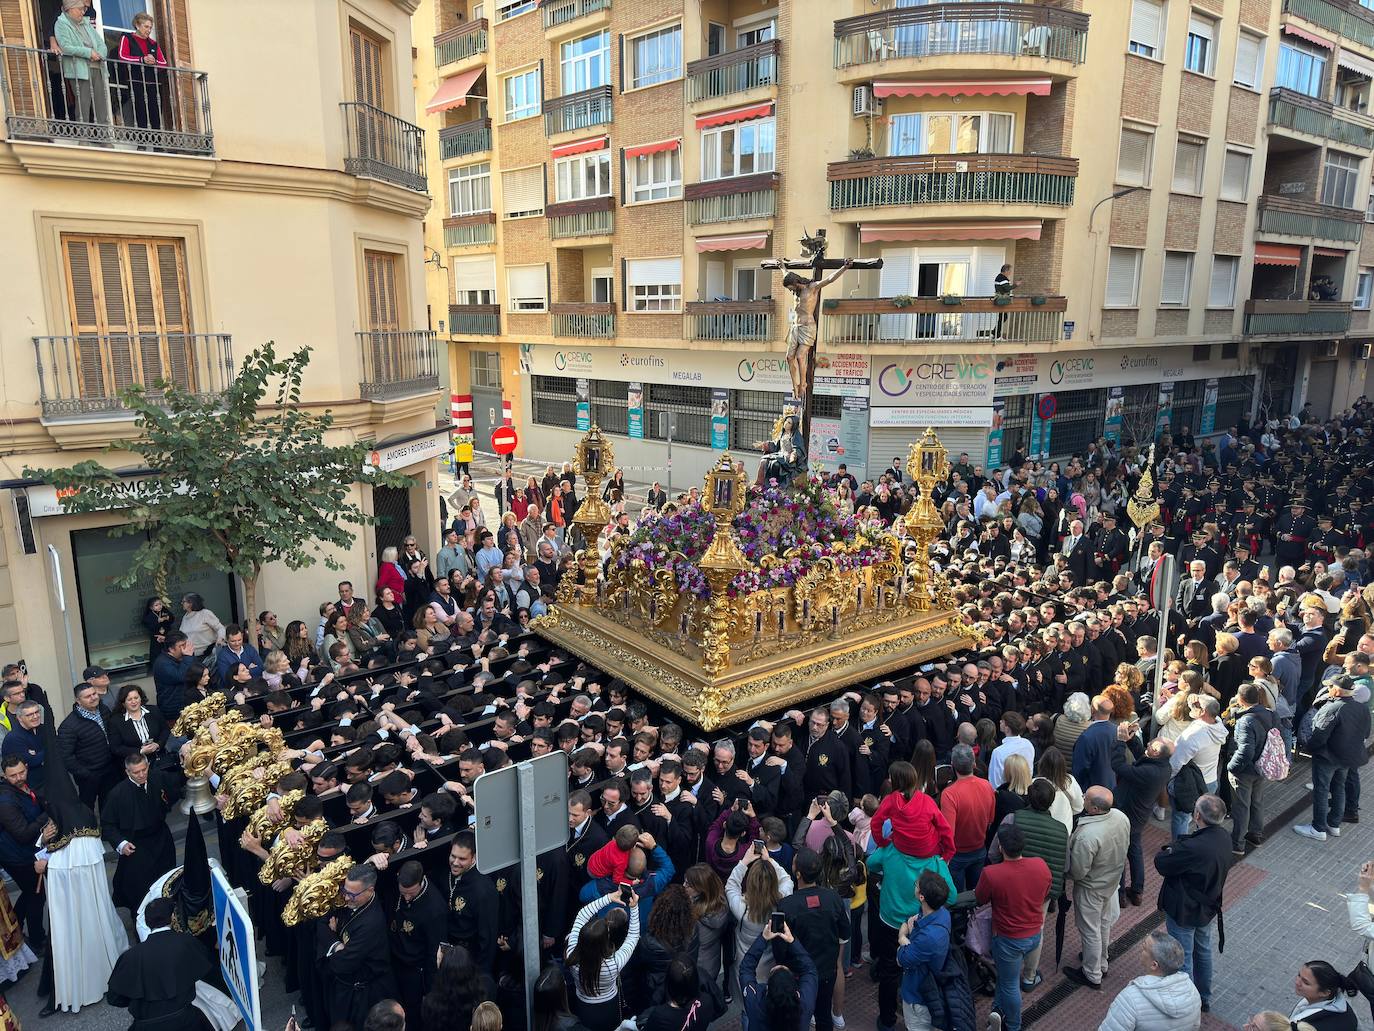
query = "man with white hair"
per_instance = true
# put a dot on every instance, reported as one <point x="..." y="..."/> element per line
<point x="1195" y="591"/>
<point x="1164" y="998"/>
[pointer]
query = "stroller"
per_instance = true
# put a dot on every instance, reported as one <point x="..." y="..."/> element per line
<point x="972" y="931"/>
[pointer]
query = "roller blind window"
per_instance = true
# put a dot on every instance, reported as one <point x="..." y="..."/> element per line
<point x="522" y="192"/>
<point x="527" y="286"/>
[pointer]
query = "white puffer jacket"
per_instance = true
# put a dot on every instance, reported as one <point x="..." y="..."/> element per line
<point x="1156" y="1004"/>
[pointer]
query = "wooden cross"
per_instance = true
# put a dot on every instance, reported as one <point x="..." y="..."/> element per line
<point x="814" y="261"/>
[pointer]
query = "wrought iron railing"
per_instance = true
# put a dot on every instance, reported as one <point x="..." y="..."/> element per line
<point x="382" y="146"/>
<point x="456" y="141"/>
<point x="1287" y="216"/>
<point x="733" y="72"/>
<point x="730" y="320"/>
<point x="1296" y="318"/>
<point x="119" y="104"/>
<point x="1316" y="117"/>
<point x="971" y="320"/>
<point x="952" y="179"/>
<point x="576" y="319"/>
<point x="461" y="42"/>
<point x="482" y="320"/>
<point x="934" y="30"/>
<point x="559" y="12"/>
<point x="398" y="363"/>
<point x="577" y="110"/>
<point x="1350" y="20"/>
<point x="470" y="230"/>
<point x="87" y="374"/>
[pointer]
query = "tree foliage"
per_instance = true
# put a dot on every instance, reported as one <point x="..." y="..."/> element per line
<point x="236" y="485"/>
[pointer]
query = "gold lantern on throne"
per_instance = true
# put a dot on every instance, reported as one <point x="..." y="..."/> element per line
<point x="928" y="464"/>
<point x="594" y="462"/>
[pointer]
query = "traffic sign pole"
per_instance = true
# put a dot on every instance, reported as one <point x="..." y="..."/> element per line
<point x="529" y="888"/>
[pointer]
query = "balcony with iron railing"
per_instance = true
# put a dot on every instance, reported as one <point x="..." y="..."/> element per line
<point x="382" y="146"/>
<point x="734" y="199"/>
<point x="460" y="141"/>
<point x="470" y="230"/>
<point x="1345" y="18"/>
<point x="582" y="319"/>
<point x="121" y="105"/>
<point x="734" y="71"/>
<point x="398" y="363"/>
<point x="560" y="12"/>
<point x="976" y="28"/>
<point x="576" y="111"/>
<point x="86" y="375"/>
<point x="482" y="320"/>
<point x="1311" y="116"/>
<point x="952" y="179"/>
<point x="594" y="216"/>
<point x="963" y="320"/>
<point x="1296" y="318"/>
<point x="730" y="320"/>
<point x="461" y="42"/>
<point x="1286" y="216"/>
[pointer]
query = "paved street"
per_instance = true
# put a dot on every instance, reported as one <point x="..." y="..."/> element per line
<point x="1284" y="907"/>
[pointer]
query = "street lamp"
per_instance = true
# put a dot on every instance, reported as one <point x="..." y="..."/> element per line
<point x="1092" y="280"/>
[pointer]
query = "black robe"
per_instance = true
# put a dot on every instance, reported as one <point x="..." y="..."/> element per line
<point x="417" y="928"/>
<point x="155" y="981"/>
<point x="138" y="814"/>
<point x="360" y="967"/>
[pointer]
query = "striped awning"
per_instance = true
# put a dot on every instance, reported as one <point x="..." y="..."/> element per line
<point x="453" y="92"/>
<point x="1330" y="252"/>
<point x="1355" y="63"/>
<point x="581" y="146"/>
<point x="1287" y="254"/>
<point x="1311" y="37"/>
<point x="738" y="242"/>
<point x="652" y="148"/>
<point x="964" y="88"/>
<point x="950" y="231"/>
<point x="737" y="114"/>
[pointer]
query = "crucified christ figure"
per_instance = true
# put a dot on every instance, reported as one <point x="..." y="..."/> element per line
<point x="801" y="323"/>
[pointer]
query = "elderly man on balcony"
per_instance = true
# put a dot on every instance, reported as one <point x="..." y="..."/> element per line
<point x="82" y="50"/>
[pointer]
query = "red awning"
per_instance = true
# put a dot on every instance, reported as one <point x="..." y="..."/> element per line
<point x="581" y="146"/>
<point x="738" y="114"/>
<point x="453" y="92"/>
<point x="964" y="88"/>
<point x="1311" y="37"/>
<point x="1330" y="252"/>
<point x="741" y="242"/>
<point x="950" y="231"/>
<point x="652" y="148"/>
<point x="1278" y="254"/>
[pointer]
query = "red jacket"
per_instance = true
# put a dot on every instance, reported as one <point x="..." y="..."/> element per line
<point x="919" y="829"/>
<point x="389" y="576"/>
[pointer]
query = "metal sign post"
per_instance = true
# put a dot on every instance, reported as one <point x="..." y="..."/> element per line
<point x="538" y="790"/>
<point x="238" y="957"/>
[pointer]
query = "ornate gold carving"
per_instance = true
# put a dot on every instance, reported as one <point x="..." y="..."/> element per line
<point x="287" y="860"/>
<point x="317" y="893"/>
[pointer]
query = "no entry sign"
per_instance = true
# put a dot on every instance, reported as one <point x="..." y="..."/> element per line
<point x="504" y="440"/>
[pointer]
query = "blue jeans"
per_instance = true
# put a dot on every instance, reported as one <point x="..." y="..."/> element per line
<point x="966" y="867"/>
<point x="1179" y="822"/>
<point x="1007" y="953"/>
<point x="1328" y="794"/>
<point x="1352" y="791"/>
<point x="1197" y="953"/>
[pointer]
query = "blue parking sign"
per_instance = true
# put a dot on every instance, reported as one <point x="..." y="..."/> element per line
<point x="238" y="957"/>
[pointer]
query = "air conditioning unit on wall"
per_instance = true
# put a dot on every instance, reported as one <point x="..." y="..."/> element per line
<point x="864" y="102"/>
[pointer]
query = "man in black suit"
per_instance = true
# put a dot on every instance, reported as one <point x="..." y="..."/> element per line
<point x="754" y="772"/>
<point x="658" y="497"/>
<point x="1195" y="592"/>
<point x="1078" y="549"/>
<point x="585" y="836"/>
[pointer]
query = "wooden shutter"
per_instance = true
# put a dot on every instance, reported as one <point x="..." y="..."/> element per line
<point x="368" y="81"/>
<point x="382" y="312"/>
<point x="127" y="298"/>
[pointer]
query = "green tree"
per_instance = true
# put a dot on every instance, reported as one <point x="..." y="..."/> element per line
<point x="237" y="485"/>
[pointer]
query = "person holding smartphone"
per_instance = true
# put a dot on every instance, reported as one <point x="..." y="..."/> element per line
<point x="788" y="1000"/>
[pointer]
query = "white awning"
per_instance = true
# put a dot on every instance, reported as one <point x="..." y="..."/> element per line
<point x="1355" y="63"/>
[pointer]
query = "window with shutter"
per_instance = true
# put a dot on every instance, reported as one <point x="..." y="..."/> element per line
<point x="368" y="78"/>
<point x="522" y="192"/>
<point x="1188" y="157"/>
<point x="1363" y="287"/>
<point x="474" y="280"/>
<point x="1178" y="278"/>
<point x="527" y="287"/>
<point x="1123" y="278"/>
<point x="1147" y="27"/>
<point x="1134" y="156"/>
<point x="1235" y="175"/>
<point x="655" y="284"/>
<point x="1221" y="291"/>
<point x="1249" y="60"/>
<point x="127" y="300"/>
<point x="1199" y="54"/>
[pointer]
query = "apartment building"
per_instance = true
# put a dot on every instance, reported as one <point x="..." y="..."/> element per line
<point x="162" y="221"/>
<point x="1180" y="188"/>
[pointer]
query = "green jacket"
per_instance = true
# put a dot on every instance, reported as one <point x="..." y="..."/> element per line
<point x="900" y="873"/>
<point x="78" y="40"/>
<point x="1047" y="838"/>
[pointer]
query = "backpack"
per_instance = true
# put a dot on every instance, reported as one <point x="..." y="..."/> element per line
<point x="954" y="1009"/>
<point x="1273" y="761"/>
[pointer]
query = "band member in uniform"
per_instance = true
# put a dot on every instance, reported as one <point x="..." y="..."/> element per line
<point x="1112" y="547"/>
<point x="1322" y="547"/>
<point x="1249" y="568"/>
<point x="1292" y="532"/>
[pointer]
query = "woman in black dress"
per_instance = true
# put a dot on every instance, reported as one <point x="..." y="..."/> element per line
<point x="136" y="726"/>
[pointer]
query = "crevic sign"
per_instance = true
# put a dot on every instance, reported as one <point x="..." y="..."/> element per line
<point x="942" y="379"/>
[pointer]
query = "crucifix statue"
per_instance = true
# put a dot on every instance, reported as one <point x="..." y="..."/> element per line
<point x="802" y="320"/>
